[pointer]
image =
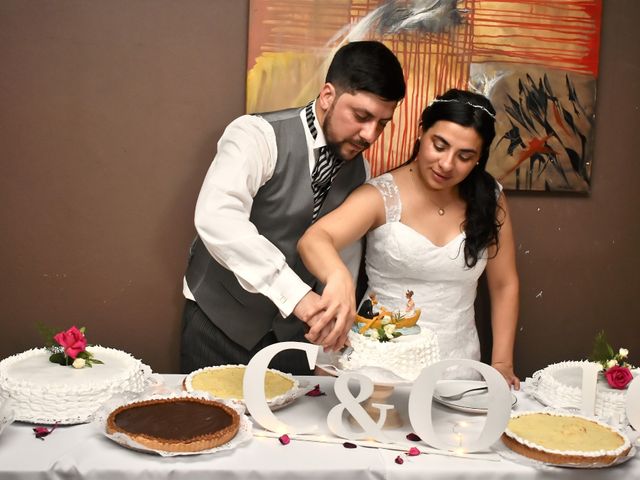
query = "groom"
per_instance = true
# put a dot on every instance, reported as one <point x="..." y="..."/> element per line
<point x="273" y="175"/>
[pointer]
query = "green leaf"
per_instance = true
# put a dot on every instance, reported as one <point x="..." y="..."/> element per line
<point x="602" y="351"/>
<point x="59" y="358"/>
<point x="47" y="334"/>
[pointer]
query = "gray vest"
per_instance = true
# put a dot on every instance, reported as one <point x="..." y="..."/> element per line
<point x="282" y="211"/>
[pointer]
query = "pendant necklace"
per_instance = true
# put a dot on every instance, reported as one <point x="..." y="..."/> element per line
<point x="441" y="211"/>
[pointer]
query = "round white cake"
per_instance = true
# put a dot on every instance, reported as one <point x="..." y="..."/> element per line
<point x="405" y="355"/>
<point x="45" y="392"/>
<point x="560" y="385"/>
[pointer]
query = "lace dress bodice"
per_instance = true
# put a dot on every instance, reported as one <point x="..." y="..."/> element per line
<point x="399" y="258"/>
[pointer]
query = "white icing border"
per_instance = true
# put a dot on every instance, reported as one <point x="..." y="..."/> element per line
<point x="580" y="453"/>
<point x="363" y="348"/>
<point x="274" y="403"/>
<point x="33" y="352"/>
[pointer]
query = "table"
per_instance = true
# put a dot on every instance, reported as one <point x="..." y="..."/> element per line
<point x="81" y="451"/>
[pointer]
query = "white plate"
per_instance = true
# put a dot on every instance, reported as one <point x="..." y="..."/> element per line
<point x="6" y="414"/>
<point x="378" y="375"/>
<point x="472" y="402"/>
<point x="245" y="432"/>
<point x="330" y="363"/>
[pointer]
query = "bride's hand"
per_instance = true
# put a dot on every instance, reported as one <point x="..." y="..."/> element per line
<point x="506" y="369"/>
<point x="338" y="302"/>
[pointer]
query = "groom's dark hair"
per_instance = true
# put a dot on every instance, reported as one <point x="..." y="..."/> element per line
<point x="367" y="66"/>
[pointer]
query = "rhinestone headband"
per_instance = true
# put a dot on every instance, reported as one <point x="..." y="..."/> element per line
<point x="438" y="100"/>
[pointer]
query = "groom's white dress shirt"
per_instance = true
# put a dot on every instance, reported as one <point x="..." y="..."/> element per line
<point x="245" y="161"/>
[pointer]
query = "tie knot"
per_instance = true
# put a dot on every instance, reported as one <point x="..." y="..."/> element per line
<point x="325" y="168"/>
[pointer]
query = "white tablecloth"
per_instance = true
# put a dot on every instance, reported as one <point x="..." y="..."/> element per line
<point x="81" y="451"/>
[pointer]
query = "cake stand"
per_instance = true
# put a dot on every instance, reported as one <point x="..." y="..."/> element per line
<point x="384" y="384"/>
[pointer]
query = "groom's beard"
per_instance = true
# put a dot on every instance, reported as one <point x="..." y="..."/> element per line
<point x="340" y="147"/>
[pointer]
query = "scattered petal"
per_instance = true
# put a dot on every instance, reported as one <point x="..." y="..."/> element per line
<point x="349" y="445"/>
<point x="284" y="439"/>
<point x="399" y="460"/>
<point x="42" y="432"/>
<point x="413" y="437"/>
<point x="316" y="392"/>
<point x="413" y="451"/>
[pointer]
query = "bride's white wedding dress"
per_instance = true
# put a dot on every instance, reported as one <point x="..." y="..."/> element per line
<point x="399" y="259"/>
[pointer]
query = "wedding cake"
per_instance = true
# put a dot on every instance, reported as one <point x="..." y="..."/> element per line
<point x="405" y="356"/>
<point x="560" y="386"/>
<point x="391" y="340"/>
<point x="45" y="392"/>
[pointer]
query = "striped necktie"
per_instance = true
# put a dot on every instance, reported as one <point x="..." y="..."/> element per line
<point x="325" y="169"/>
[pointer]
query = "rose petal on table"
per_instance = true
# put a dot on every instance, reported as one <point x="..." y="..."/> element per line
<point x="413" y="437"/>
<point x="413" y="451"/>
<point x="399" y="460"/>
<point x="284" y="439"/>
<point x="349" y="445"/>
<point x="316" y="392"/>
<point x="42" y="432"/>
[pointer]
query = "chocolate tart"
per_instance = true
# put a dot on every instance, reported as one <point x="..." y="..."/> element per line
<point x="564" y="439"/>
<point x="184" y="424"/>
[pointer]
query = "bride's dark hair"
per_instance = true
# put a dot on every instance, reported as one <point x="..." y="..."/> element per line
<point x="478" y="189"/>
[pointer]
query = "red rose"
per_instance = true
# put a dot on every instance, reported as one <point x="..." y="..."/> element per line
<point x="73" y="341"/>
<point x="618" y="377"/>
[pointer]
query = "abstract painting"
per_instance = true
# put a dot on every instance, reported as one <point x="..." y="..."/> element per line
<point x="537" y="60"/>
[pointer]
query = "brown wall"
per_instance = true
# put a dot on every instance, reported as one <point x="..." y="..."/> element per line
<point x="110" y="112"/>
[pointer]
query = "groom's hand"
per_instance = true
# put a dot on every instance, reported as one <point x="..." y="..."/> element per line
<point x="338" y="302"/>
<point x="310" y="309"/>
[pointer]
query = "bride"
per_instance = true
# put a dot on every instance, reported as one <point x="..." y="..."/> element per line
<point x="432" y="226"/>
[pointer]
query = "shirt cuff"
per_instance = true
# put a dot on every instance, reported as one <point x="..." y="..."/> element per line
<point x="287" y="290"/>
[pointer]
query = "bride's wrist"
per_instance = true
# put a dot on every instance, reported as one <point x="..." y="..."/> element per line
<point x="502" y="363"/>
<point x="342" y="275"/>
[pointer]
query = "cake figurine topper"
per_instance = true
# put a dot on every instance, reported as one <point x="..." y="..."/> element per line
<point x="368" y="306"/>
<point x="383" y="324"/>
<point x="68" y="347"/>
<point x="615" y="367"/>
<point x="411" y="306"/>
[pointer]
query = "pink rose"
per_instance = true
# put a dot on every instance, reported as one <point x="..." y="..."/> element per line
<point x="618" y="377"/>
<point x="73" y="341"/>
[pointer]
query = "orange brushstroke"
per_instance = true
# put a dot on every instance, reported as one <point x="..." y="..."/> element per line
<point x="536" y="145"/>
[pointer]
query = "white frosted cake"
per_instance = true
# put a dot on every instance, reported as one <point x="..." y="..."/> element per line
<point x="560" y="386"/>
<point x="405" y="355"/>
<point x="45" y="392"/>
